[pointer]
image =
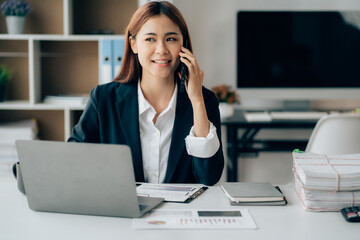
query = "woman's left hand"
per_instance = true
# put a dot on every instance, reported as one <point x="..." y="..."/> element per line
<point x="194" y="82"/>
<point x="193" y="87"/>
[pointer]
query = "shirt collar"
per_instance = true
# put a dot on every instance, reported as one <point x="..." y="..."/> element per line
<point x="145" y="105"/>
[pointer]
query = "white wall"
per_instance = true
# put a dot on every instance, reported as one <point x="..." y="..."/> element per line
<point x="212" y="25"/>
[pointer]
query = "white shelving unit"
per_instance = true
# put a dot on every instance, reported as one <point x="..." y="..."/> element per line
<point x="54" y="56"/>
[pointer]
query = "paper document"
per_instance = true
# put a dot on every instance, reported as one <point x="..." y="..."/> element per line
<point x="328" y="172"/>
<point x="327" y="182"/>
<point x="195" y="219"/>
<point x="170" y="192"/>
<point x="69" y="100"/>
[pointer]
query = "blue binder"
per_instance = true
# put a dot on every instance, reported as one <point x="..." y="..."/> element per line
<point x="118" y="50"/>
<point x="105" y="61"/>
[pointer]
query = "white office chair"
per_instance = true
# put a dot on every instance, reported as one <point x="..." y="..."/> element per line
<point x="336" y="134"/>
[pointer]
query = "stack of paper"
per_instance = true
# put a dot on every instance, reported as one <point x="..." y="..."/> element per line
<point x="327" y="182"/>
<point x="10" y="132"/>
<point x="67" y="100"/>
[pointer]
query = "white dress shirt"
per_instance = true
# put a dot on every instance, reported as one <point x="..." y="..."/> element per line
<point x="156" y="138"/>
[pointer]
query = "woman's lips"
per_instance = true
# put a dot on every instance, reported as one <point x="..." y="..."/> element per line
<point x="161" y="62"/>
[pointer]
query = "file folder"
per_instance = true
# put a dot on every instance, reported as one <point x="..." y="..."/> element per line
<point x="118" y="51"/>
<point x="105" y="61"/>
<point x="170" y="192"/>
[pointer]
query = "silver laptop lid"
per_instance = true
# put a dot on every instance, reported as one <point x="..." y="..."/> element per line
<point x="81" y="178"/>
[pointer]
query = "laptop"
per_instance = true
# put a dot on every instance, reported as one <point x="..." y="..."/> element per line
<point x="81" y="178"/>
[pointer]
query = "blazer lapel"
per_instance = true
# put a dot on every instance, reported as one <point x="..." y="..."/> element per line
<point x="127" y="106"/>
<point x="182" y="124"/>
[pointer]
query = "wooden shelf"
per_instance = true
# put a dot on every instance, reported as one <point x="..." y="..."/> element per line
<point x="74" y="72"/>
<point x="26" y="105"/>
<point x="47" y="17"/>
<point x="51" y="122"/>
<point x="55" y="56"/>
<point x="14" y="55"/>
<point x="105" y="15"/>
<point x="56" y="37"/>
<point x="15" y="105"/>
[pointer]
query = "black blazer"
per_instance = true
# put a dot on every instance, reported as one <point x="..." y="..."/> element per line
<point x="112" y="116"/>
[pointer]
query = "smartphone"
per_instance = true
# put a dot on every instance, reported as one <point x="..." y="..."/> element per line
<point x="183" y="72"/>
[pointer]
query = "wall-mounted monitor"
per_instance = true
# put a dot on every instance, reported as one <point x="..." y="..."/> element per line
<point x="307" y="50"/>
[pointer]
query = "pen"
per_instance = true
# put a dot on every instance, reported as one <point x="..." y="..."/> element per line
<point x="143" y="195"/>
<point x="189" y="191"/>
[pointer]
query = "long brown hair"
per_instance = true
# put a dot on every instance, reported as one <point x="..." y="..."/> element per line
<point x="131" y="69"/>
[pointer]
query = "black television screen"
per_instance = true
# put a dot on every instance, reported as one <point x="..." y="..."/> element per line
<point x="298" y="49"/>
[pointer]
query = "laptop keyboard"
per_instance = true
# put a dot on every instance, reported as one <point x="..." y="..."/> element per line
<point x="142" y="206"/>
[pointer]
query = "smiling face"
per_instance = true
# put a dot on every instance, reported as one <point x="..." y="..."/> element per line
<point x="158" y="44"/>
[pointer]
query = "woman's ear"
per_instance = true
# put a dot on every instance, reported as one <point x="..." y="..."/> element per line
<point x="133" y="44"/>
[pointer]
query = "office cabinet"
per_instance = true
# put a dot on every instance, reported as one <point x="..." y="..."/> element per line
<point x="58" y="54"/>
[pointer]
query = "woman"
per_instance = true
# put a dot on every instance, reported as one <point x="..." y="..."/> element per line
<point x="173" y="135"/>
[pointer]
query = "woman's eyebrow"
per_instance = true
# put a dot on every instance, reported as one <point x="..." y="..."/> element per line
<point x="166" y="34"/>
<point x="171" y="33"/>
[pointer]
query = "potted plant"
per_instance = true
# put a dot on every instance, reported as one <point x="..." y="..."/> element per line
<point x="5" y="76"/>
<point x="15" y="12"/>
<point x="226" y="98"/>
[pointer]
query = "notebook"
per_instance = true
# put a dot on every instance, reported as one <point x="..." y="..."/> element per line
<point x="253" y="193"/>
<point x="81" y="178"/>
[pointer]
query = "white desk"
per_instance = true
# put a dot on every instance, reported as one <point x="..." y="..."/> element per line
<point x="17" y="221"/>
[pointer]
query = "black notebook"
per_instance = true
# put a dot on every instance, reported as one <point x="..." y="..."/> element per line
<point x="253" y="193"/>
